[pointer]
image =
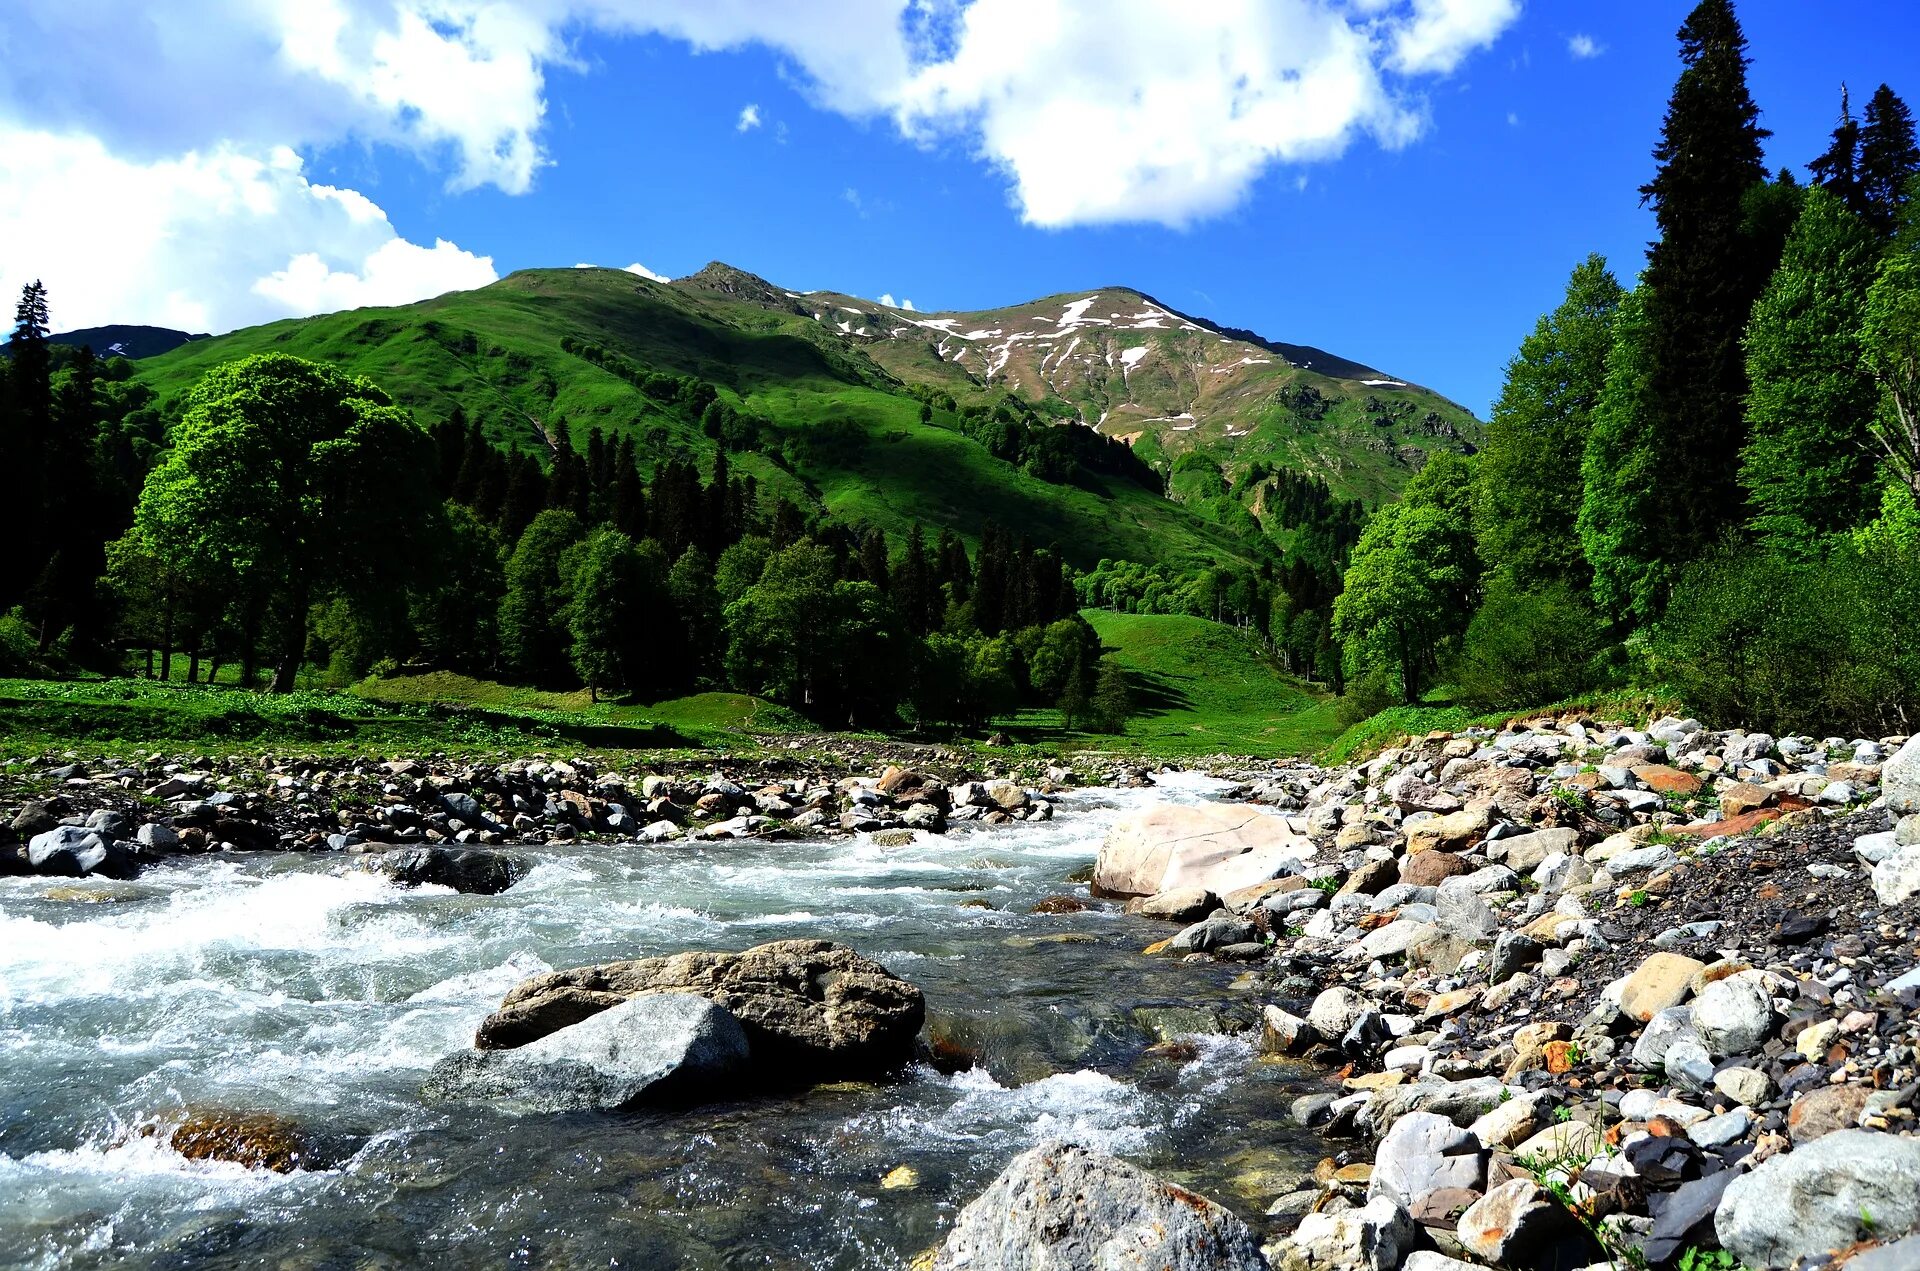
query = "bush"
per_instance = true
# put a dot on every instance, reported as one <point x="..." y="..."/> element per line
<point x="1817" y="647"/>
<point x="1366" y="696"/>
<point x="1529" y="648"/>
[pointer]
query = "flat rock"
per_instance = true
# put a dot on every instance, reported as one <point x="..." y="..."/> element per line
<point x="1057" y="1207"/>
<point x="1370" y="1238"/>
<point x="1424" y="1153"/>
<point x="1221" y="847"/>
<point x="1663" y="980"/>
<point x="1803" y="1203"/>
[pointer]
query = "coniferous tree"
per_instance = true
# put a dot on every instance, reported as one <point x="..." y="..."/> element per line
<point x="913" y="588"/>
<point x="1620" y="476"/>
<point x="1808" y="467"/>
<point x="27" y="420"/>
<point x="1837" y="170"/>
<point x="1889" y="160"/>
<point x="873" y="559"/>
<point x="1702" y="278"/>
<point x="1527" y="483"/>
<point x="1112" y="703"/>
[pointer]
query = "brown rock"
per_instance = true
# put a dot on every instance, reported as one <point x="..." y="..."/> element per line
<point x="1745" y="821"/>
<point x="1825" y="1110"/>
<point x="1738" y="800"/>
<point x="1241" y="899"/>
<point x="808" y="1006"/>
<point x="257" y="1140"/>
<point x="1667" y="779"/>
<point x="1454" y="832"/>
<point x="1663" y="980"/>
<point x="1430" y="869"/>
<point x="1059" y="905"/>
<point x="1371" y="879"/>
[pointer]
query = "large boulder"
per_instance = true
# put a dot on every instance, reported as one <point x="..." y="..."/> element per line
<point x="1822" y="1196"/>
<point x="1900" y="779"/>
<point x="74" y="851"/>
<point x="1425" y="1153"/>
<point x="1219" y="846"/>
<point x="470" y="871"/>
<point x="661" y="1048"/>
<point x="812" y="1009"/>
<point x="1058" y="1207"/>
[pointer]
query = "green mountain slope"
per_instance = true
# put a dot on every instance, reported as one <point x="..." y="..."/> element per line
<point x="835" y="387"/>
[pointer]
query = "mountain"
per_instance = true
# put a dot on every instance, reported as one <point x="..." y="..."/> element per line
<point x="877" y="414"/>
<point x="126" y="340"/>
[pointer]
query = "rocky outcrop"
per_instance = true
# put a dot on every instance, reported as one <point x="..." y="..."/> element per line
<point x="811" y="1008"/>
<point x="1059" y="1207"/>
<point x="660" y="1048"/>
<point x="1216" y="847"/>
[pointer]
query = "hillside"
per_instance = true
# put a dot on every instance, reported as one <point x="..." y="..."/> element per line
<point x="126" y="340"/>
<point x="841" y="397"/>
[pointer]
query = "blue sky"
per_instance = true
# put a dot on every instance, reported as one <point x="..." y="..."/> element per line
<point x="1415" y="203"/>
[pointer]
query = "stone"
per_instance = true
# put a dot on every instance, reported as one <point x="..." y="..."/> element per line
<point x="1370" y="1238"/>
<point x="1718" y="1131"/>
<point x="1430" y="869"/>
<point x="1686" y="1218"/>
<point x="1058" y="1207"/>
<point x="257" y="1140"/>
<point x="1804" y="1203"/>
<point x="811" y="1008"/>
<point x="1821" y="1112"/>
<point x="1425" y="1153"/>
<point x="1900" y="779"/>
<point x="1513" y="952"/>
<point x="1665" y="779"/>
<point x="1663" y="980"/>
<point x="1511" y="1121"/>
<point x="1745" y="797"/>
<point x="470" y="871"/>
<point x="1906" y="831"/>
<point x="1218" y="846"/>
<point x="1461" y="912"/>
<point x="1284" y="1033"/>
<point x="1217" y="931"/>
<point x="1523" y="852"/>
<point x="73" y="851"/>
<point x="1734" y="1016"/>
<point x="1390" y="941"/>
<point x="1453" y="832"/>
<point x="1748" y="1086"/>
<point x="1509" y="1221"/>
<point x="1185" y="904"/>
<point x="660" y="1048"/>
<point x="1562" y="1141"/>
<point x="1895" y="878"/>
<point x="1336" y="1010"/>
<point x="158" y="839"/>
<point x="1899" y="1255"/>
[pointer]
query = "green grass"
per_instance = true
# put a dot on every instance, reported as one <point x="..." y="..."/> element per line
<point x="1389" y="727"/>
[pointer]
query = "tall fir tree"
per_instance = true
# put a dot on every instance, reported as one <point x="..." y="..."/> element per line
<point x="1702" y="278"/>
<point x="1889" y="161"/>
<point x="27" y="421"/>
<point x="1808" y="466"/>
<point x="1620" y="476"/>
<point x="1527" y="484"/>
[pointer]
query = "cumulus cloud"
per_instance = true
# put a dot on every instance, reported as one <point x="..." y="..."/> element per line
<point x="886" y="298"/>
<point x="749" y="118"/>
<point x="637" y="268"/>
<point x="1584" y="46"/>
<point x="204" y="241"/>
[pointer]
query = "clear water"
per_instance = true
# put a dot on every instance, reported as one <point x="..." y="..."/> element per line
<point x="305" y="986"/>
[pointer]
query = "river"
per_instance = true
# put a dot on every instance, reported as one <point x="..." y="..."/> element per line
<point x="303" y="985"/>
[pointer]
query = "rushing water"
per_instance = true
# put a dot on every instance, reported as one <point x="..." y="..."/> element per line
<point x="306" y="986"/>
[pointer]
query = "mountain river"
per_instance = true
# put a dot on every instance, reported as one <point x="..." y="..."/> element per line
<point x="306" y="986"/>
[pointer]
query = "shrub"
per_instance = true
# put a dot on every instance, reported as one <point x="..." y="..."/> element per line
<point x="1822" y="646"/>
<point x="1529" y="648"/>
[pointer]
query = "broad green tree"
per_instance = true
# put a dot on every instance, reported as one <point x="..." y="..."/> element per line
<point x="615" y="612"/>
<point x="1413" y="579"/>
<point x="298" y="482"/>
<point x="1808" y="466"/>
<point x="1891" y="339"/>
<point x="533" y="634"/>
<point x="1527" y="481"/>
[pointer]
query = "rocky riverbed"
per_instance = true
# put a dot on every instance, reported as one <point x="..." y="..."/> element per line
<point x="1563" y="995"/>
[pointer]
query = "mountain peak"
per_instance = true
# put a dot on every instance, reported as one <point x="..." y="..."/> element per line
<point x="727" y="280"/>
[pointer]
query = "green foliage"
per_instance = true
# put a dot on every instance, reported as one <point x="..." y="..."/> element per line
<point x="616" y="594"/>
<point x="1112" y="704"/>
<point x="1524" y="648"/>
<point x="1797" y="646"/>
<point x="293" y="483"/>
<point x="1527" y="480"/>
<point x="1808" y="466"/>
<point x="1890" y="334"/>
<point x="1621" y="477"/>
<point x="1410" y="589"/>
<point x="533" y="633"/>
<point x="455" y="616"/>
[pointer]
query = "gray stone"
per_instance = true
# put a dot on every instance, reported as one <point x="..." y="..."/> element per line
<point x="1371" y="1238"/>
<point x="1188" y="904"/>
<point x="1907" y="831"/>
<point x="666" y="1047"/>
<point x="1662" y="1033"/>
<point x="1748" y="1086"/>
<point x="1524" y="852"/>
<point x="1803" y="1203"/>
<point x="1898" y="876"/>
<point x="1899" y="1255"/>
<point x="1687" y="1217"/>
<point x="1513" y="952"/>
<point x="1390" y="941"/>
<point x="1728" y="1127"/>
<point x="1638" y="859"/>
<point x="159" y="839"/>
<point x="1216" y="931"/>
<point x="1336" y="1010"/>
<point x="73" y="851"/>
<point x="1464" y="914"/>
<point x="470" y="871"/>
<point x="1057" y="1207"/>
<point x="1900" y="779"/>
<point x="1509" y="1221"/>
<point x="1734" y="1016"/>
<point x="1424" y="1153"/>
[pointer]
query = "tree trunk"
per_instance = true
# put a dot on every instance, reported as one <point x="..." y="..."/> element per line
<point x="287" y="669"/>
<point x="193" y="664"/>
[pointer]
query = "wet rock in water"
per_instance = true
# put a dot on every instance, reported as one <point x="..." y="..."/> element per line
<point x="812" y="1009"/>
<point x="1221" y="847"/>
<point x="660" y="1048"/>
<point x="1186" y="904"/>
<point x="1804" y="1203"/>
<point x="257" y="1140"/>
<point x="1059" y="905"/>
<point x="72" y="851"/>
<point x="1058" y="1207"/>
<point x="467" y="870"/>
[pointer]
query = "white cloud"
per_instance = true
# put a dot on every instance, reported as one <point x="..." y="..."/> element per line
<point x="637" y="268"/>
<point x="1439" y="34"/>
<point x="1513" y="119"/>
<point x="749" y="118"/>
<point x="1584" y="46"/>
<point x="886" y="298"/>
<point x="222" y="238"/>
